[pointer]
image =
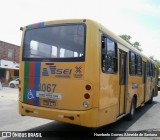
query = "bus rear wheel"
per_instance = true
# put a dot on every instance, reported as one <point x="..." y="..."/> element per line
<point x="132" y="109"/>
<point x="151" y="99"/>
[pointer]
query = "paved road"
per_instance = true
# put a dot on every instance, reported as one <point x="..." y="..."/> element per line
<point x="10" y="120"/>
<point x="146" y="118"/>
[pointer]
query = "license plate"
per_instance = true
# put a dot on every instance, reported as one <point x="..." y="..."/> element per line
<point x="49" y="103"/>
<point x="55" y="96"/>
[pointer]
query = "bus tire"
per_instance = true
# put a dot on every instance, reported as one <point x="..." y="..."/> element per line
<point x="131" y="114"/>
<point x="151" y="100"/>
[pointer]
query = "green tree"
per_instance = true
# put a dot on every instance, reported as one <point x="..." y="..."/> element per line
<point x="127" y="38"/>
<point x="136" y="45"/>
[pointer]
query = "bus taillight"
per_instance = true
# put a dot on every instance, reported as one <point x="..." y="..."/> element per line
<point x="88" y="87"/>
<point x="86" y="95"/>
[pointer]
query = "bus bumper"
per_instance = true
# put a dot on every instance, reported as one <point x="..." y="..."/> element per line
<point x="86" y="118"/>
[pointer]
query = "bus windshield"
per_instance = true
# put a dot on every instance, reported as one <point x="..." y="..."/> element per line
<point x="59" y="42"/>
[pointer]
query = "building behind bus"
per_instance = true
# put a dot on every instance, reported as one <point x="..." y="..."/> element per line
<point x="9" y="62"/>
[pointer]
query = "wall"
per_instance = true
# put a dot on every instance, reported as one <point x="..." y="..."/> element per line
<point x="9" y="51"/>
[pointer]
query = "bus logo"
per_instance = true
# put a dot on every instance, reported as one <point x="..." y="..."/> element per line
<point x="59" y="73"/>
<point x="78" y="69"/>
<point x="78" y="72"/>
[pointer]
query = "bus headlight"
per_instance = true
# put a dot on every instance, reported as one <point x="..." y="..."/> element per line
<point x="85" y="104"/>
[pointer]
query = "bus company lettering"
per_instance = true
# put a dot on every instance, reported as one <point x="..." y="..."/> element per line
<point x="134" y="85"/>
<point x="59" y="73"/>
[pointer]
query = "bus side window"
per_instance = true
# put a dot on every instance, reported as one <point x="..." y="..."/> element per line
<point x="109" y="55"/>
<point x="103" y="53"/>
<point x="139" y="65"/>
<point x="132" y="63"/>
<point x="154" y="69"/>
<point x="148" y="69"/>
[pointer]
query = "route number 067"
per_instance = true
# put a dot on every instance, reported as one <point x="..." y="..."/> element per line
<point x="47" y="87"/>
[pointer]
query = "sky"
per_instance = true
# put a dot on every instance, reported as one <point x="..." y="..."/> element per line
<point x="138" y="18"/>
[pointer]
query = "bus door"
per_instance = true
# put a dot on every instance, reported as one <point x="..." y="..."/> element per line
<point x="122" y="81"/>
<point x="144" y="80"/>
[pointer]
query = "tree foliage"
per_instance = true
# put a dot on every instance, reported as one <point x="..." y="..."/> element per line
<point x="136" y="44"/>
<point x="127" y="38"/>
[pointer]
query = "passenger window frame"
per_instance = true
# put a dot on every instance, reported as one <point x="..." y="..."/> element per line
<point x="109" y="63"/>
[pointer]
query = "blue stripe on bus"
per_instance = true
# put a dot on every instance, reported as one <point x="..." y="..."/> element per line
<point x="41" y="24"/>
<point x="37" y="81"/>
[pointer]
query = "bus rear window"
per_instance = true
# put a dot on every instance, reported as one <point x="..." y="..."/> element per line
<point x="55" y="43"/>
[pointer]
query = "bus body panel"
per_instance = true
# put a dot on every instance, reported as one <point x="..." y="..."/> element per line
<point x="107" y="115"/>
<point x="84" y="118"/>
<point x="106" y="93"/>
<point x="64" y="82"/>
<point x="92" y="71"/>
<point x="135" y="87"/>
<point x="55" y="86"/>
<point x="148" y="89"/>
<point x="58" y="90"/>
<point x="67" y="74"/>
